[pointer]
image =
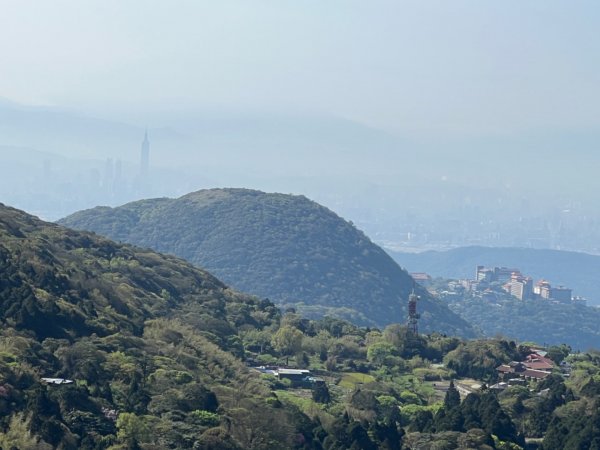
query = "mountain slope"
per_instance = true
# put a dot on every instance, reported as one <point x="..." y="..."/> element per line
<point x="283" y="247"/>
<point x="150" y="341"/>
<point x="578" y="271"/>
<point x="59" y="273"/>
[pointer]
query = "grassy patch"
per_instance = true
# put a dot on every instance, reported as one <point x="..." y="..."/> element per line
<point x="351" y="379"/>
<point x="300" y="398"/>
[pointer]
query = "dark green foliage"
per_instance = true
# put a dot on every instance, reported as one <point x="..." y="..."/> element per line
<point x="320" y="393"/>
<point x="452" y="398"/>
<point x="591" y="388"/>
<point x="386" y="436"/>
<point x="283" y="247"/>
<point x="558" y="352"/>
<point x="494" y="419"/>
<point x="574" y="431"/>
<point x="448" y="420"/>
<point x="542" y="413"/>
<point x="347" y="434"/>
<point x="423" y="422"/>
<point x="475" y="412"/>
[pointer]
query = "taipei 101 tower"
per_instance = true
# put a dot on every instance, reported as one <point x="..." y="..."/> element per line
<point x="145" y="157"/>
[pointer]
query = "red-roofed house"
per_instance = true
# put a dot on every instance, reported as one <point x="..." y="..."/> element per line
<point x="531" y="374"/>
<point x="535" y="367"/>
<point x="536" y="362"/>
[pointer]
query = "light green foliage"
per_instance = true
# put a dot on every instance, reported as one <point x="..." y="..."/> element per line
<point x="387" y="401"/>
<point x="408" y="397"/>
<point x="132" y="427"/>
<point x="18" y="436"/>
<point x="479" y="359"/>
<point x="380" y="352"/>
<point x="304" y="402"/>
<point x="410" y="411"/>
<point x="206" y="418"/>
<point x="287" y="340"/>
<point x="350" y="380"/>
<point x="431" y="374"/>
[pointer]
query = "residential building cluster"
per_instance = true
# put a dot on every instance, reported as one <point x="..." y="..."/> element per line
<point x="521" y="286"/>
<point x="535" y="367"/>
<point x="491" y="283"/>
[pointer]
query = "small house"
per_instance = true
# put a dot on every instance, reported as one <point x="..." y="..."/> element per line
<point x="296" y="376"/>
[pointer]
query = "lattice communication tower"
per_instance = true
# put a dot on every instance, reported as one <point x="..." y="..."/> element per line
<point x="413" y="315"/>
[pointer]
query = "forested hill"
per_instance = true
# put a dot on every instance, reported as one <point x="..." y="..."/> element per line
<point x="71" y="284"/>
<point x="579" y="271"/>
<point x="283" y="247"/>
<point x="149" y="337"/>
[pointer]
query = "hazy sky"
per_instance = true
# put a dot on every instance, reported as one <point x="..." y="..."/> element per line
<point x="421" y="67"/>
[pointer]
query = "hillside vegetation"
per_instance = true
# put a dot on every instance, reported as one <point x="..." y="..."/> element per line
<point x="151" y="341"/>
<point x="282" y="247"/>
<point x="552" y="323"/>
<point x="155" y="350"/>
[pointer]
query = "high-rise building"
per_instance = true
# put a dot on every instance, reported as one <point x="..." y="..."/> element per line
<point x="145" y="157"/>
<point x="501" y="274"/>
<point x="544" y="290"/>
<point x="561" y="293"/>
<point x="118" y="171"/>
<point x="107" y="180"/>
<point x="520" y="286"/>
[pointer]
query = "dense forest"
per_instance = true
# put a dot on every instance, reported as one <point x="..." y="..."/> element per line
<point x="537" y="320"/>
<point x="160" y="354"/>
<point x="282" y="247"/>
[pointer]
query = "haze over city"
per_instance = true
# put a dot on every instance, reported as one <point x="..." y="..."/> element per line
<point x="431" y="125"/>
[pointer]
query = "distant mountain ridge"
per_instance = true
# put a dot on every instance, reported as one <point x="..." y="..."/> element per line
<point x="287" y="248"/>
<point x="578" y="271"/>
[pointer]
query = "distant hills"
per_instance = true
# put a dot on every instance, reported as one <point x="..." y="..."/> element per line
<point x="541" y="321"/>
<point x="578" y="271"/>
<point x="283" y="247"/>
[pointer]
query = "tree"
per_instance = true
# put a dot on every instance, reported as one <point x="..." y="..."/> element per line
<point x="320" y="393"/>
<point x="452" y="399"/>
<point x="287" y="341"/>
<point x="558" y="353"/>
<point x="19" y="436"/>
<point x="132" y="429"/>
<point x="379" y="352"/>
<point x="495" y="421"/>
<point x="216" y="439"/>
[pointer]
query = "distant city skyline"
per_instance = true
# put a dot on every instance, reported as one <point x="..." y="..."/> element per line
<point x="145" y="156"/>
